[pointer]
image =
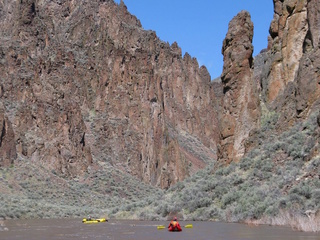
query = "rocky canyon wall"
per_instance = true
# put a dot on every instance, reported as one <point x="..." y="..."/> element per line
<point x="288" y="30"/>
<point x="290" y="79"/>
<point x="284" y="77"/>
<point x="82" y="82"/>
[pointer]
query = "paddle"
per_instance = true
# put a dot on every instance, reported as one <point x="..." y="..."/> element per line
<point x="163" y="227"/>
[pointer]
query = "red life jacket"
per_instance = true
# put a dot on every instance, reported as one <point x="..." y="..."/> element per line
<point x="174" y="226"/>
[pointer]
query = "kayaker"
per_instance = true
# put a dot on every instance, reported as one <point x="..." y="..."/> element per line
<point x="174" y="225"/>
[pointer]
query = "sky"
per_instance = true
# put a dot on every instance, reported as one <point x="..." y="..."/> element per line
<point x="200" y="26"/>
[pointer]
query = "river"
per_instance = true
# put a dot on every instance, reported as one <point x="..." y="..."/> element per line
<point x="53" y="229"/>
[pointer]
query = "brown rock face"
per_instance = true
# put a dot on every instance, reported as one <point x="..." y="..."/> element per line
<point x="288" y="31"/>
<point x="301" y="91"/>
<point x="82" y="82"/>
<point x="7" y="143"/>
<point x="308" y="78"/>
<point x="241" y="109"/>
<point x="314" y="24"/>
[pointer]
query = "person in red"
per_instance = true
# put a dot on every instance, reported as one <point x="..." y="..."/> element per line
<point x="174" y="225"/>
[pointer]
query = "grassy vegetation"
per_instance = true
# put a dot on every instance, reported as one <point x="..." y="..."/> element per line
<point x="277" y="175"/>
<point x="29" y="191"/>
<point x="276" y="183"/>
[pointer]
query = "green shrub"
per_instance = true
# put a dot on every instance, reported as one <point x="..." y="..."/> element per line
<point x="302" y="190"/>
<point x="162" y="209"/>
<point x="295" y="198"/>
<point x="272" y="210"/>
<point x="245" y="163"/>
<point x="229" y="198"/>
<point x="212" y="212"/>
<point x="316" y="195"/>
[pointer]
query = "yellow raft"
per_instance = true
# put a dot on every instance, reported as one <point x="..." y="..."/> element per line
<point x="92" y="220"/>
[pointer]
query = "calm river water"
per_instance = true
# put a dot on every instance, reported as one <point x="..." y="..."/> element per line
<point x="50" y="229"/>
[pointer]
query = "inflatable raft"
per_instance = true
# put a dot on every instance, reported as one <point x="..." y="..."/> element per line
<point x="93" y="220"/>
<point x="170" y="229"/>
<point x="174" y="228"/>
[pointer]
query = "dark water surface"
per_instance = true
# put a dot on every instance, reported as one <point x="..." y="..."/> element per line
<point x="49" y="229"/>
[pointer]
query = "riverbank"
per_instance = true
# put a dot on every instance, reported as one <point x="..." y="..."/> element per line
<point x="308" y="223"/>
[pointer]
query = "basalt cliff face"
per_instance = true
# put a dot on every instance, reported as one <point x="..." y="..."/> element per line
<point x="290" y="78"/>
<point x="283" y="78"/>
<point x="81" y="83"/>
<point x="241" y="107"/>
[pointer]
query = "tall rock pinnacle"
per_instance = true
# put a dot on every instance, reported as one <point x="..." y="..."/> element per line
<point x="241" y="109"/>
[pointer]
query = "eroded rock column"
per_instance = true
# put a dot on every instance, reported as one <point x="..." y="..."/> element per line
<point x="241" y="109"/>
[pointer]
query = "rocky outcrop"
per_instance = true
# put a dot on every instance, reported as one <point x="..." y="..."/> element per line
<point x="7" y="142"/>
<point x="301" y="92"/>
<point x="308" y="78"/>
<point x="241" y="110"/>
<point x="288" y="31"/>
<point x="83" y="82"/>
